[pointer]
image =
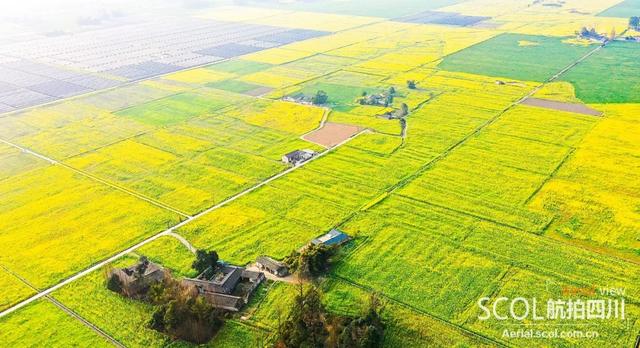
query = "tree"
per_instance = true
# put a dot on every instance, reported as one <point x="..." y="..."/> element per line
<point x="392" y="90"/>
<point x="305" y="326"/>
<point x="388" y="100"/>
<point x="584" y="32"/>
<point x="157" y="319"/>
<point x="185" y="315"/>
<point x="141" y="267"/>
<point x="309" y="324"/>
<point x="366" y="331"/>
<point x="404" y="109"/>
<point x="115" y="284"/>
<point x="320" y="98"/>
<point x="312" y="261"/>
<point x="204" y="260"/>
<point x="156" y="293"/>
<point x="634" y="22"/>
<point x="411" y="84"/>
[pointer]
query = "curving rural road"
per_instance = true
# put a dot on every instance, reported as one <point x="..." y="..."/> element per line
<point x="168" y="232"/>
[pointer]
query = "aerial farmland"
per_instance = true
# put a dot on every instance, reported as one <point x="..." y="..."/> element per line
<point x="365" y="173"/>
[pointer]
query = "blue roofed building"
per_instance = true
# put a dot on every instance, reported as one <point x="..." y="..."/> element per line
<point x="334" y="237"/>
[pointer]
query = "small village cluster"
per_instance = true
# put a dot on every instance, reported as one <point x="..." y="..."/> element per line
<point x="228" y="287"/>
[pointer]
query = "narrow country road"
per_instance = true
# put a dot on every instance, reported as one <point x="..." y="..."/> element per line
<point x="182" y="240"/>
<point x="168" y="232"/>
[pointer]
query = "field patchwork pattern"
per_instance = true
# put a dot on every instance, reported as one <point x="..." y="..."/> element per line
<point x="470" y="149"/>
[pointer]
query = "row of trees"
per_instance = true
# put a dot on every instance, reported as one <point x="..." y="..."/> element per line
<point x="385" y="98"/>
<point x="309" y="324"/>
<point x="589" y="33"/>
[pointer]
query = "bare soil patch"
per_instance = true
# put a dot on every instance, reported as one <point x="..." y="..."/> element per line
<point x="332" y="134"/>
<point x="562" y="106"/>
<point x="258" y="92"/>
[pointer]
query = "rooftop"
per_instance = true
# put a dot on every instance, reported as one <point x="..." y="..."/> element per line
<point x="334" y="237"/>
<point x="269" y="262"/>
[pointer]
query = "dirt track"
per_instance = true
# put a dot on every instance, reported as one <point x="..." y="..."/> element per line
<point x="332" y="134"/>
<point x="561" y="106"/>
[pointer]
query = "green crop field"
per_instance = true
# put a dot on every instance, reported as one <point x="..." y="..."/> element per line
<point x="619" y="62"/>
<point x="460" y="190"/>
<point x="623" y="9"/>
<point x="16" y="330"/>
<point x="176" y="108"/>
<point x="233" y="86"/>
<point x="520" y="57"/>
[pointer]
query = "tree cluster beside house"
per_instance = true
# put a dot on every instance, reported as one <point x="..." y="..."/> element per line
<point x="591" y="34"/>
<point x="193" y="309"/>
<point x="384" y="98"/>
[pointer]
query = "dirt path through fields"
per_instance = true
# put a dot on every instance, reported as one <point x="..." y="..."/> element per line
<point x="562" y="106"/>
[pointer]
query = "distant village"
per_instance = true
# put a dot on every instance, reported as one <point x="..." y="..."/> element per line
<point x="586" y="33"/>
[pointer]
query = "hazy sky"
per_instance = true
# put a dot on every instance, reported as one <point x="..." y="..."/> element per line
<point x="70" y="15"/>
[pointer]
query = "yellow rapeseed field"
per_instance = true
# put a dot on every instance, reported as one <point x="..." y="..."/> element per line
<point x="55" y="223"/>
<point x="276" y="56"/>
<point x="13" y="289"/>
<point x="560" y="91"/>
<point x="285" y="116"/>
<point x="199" y="76"/>
<point x="592" y="192"/>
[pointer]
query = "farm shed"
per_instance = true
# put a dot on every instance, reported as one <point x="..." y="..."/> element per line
<point x="334" y="237"/>
<point x="298" y="157"/>
<point x="272" y="266"/>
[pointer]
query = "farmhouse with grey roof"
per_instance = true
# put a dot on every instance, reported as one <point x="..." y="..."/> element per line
<point x="272" y="266"/>
<point x="228" y="287"/>
<point x="298" y="157"/>
<point x="133" y="282"/>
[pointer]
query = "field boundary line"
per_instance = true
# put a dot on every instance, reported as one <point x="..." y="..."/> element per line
<point x="168" y="231"/>
<point x="67" y="310"/>
<point x="79" y="154"/>
<point x="533" y="235"/>
<point x="550" y="176"/>
<point x="96" y="178"/>
<point x="420" y="311"/>
<point x="465" y="213"/>
<point x="487" y="123"/>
